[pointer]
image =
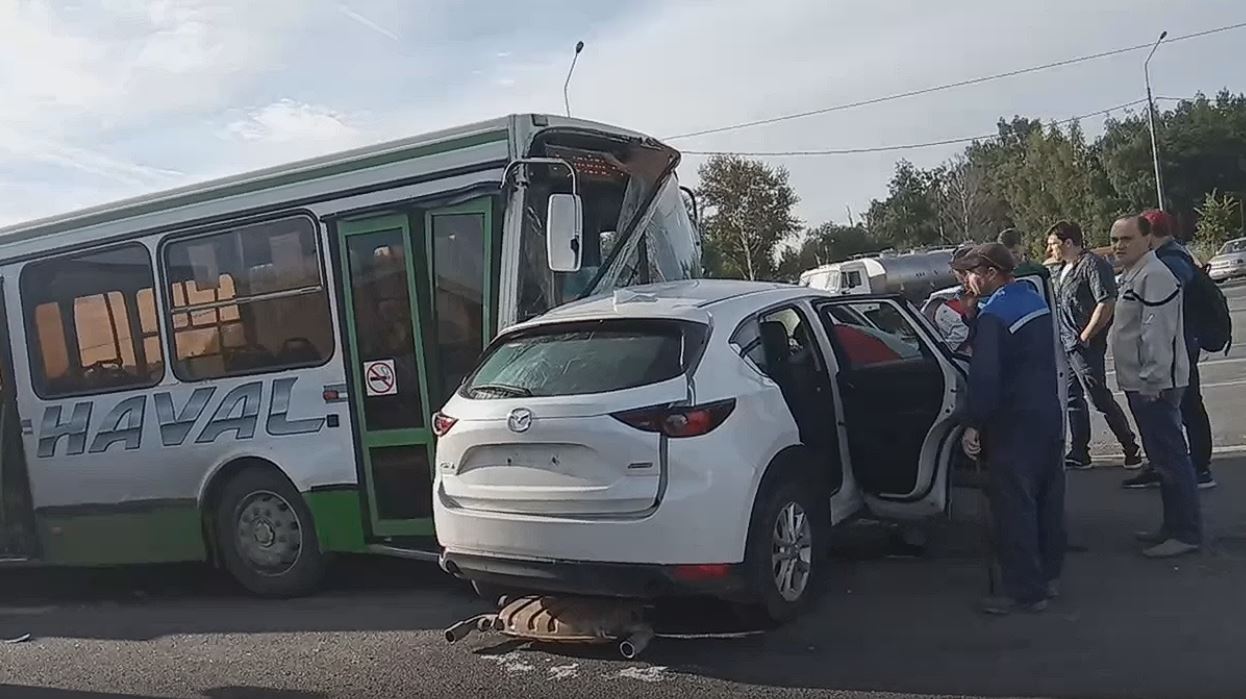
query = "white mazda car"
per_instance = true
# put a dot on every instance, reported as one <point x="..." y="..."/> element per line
<point x="693" y="437"/>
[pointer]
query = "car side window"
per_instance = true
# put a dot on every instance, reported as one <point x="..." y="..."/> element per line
<point x="777" y="339"/>
<point x="867" y="334"/>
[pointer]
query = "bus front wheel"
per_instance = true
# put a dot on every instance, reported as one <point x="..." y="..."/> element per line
<point x="266" y="535"/>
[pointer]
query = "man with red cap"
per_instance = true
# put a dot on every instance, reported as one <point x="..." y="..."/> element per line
<point x="1193" y="412"/>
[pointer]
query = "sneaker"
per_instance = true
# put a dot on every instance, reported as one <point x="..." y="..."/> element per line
<point x="1053" y="589"/>
<point x="1003" y="606"/>
<point x="1151" y="537"/>
<point x="1072" y="464"/>
<point x="1133" y="461"/>
<point x="1147" y="479"/>
<point x="1170" y="548"/>
<point x="1206" y="481"/>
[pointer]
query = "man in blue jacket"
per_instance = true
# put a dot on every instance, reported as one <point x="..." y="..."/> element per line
<point x="1015" y="425"/>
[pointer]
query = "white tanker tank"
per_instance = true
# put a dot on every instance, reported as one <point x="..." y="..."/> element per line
<point x="914" y="274"/>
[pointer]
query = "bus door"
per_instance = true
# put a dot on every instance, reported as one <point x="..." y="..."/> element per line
<point x="17" y="539"/>
<point x="420" y="301"/>
<point x="387" y="351"/>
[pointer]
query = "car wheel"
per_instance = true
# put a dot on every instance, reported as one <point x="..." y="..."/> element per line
<point x="266" y="535"/>
<point x="786" y="545"/>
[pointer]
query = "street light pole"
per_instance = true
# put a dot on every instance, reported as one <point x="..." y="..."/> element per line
<point x="1150" y="103"/>
<point x="566" y="100"/>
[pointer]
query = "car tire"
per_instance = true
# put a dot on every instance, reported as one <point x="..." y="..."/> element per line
<point x="266" y="536"/>
<point x="784" y="578"/>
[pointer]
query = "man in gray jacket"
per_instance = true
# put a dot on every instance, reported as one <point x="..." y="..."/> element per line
<point x="1153" y="369"/>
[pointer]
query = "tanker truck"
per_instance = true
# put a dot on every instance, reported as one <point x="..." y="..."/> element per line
<point x="914" y="274"/>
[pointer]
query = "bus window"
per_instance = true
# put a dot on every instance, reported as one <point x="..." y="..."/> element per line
<point x="459" y="273"/>
<point x="90" y="319"/>
<point x="248" y="300"/>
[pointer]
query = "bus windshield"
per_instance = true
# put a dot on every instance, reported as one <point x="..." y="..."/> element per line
<point x="627" y="192"/>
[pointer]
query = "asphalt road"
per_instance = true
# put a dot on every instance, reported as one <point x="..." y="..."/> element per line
<point x="1223" y="378"/>
<point x="1126" y="627"/>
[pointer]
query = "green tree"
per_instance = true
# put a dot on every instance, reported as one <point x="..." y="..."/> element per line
<point x="1218" y="220"/>
<point x="909" y="216"/>
<point x="747" y="213"/>
<point x="1202" y="146"/>
<point x="1059" y="176"/>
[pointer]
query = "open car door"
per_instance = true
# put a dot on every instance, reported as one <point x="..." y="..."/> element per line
<point x="899" y="392"/>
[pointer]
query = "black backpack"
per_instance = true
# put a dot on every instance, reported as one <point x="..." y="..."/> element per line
<point x="1206" y="310"/>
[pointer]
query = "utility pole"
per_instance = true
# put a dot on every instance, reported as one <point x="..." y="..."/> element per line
<point x="1150" y="102"/>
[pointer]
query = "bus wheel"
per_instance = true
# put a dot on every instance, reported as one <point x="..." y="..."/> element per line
<point x="267" y="539"/>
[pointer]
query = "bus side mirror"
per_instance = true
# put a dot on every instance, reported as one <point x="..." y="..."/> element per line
<point x="564" y="225"/>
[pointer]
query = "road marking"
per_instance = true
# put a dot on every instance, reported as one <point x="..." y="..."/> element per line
<point x="511" y="662"/>
<point x="564" y="672"/>
<point x="644" y="674"/>
<point x="1207" y="363"/>
<point x="1216" y="451"/>
<point x="1202" y="387"/>
<point x="25" y="611"/>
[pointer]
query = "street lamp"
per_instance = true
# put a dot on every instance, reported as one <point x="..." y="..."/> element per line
<point x="566" y="101"/>
<point x="1150" y="102"/>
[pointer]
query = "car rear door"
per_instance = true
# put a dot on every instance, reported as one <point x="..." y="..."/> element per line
<point x="899" y="393"/>
<point x="540" y="426"/>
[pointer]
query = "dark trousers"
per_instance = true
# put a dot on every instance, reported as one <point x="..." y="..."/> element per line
<point x="1088" y="378"/>
<point x="1027" y="506"/>
<point x="1159" y="422"/>
<point x="1194" y="417"/>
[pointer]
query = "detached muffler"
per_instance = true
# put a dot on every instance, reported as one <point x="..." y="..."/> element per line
<point x="548" y="619"/>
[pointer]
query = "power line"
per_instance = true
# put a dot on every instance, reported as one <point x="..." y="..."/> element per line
<point x="949" y="86"/>
<point x="911" y="146"/>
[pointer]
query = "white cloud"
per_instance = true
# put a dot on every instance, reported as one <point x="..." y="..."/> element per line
<point x="287" y="121"/>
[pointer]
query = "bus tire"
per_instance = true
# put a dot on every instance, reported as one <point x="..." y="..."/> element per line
<point x="266" y="535"/>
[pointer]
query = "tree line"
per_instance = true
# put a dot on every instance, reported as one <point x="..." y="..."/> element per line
<point x="1029" y="176"/>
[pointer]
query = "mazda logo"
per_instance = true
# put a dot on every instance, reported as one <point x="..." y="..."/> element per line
<point x="519" y="420"/>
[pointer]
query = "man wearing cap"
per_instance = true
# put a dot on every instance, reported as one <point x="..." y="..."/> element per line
<point x="1015" y="425"/>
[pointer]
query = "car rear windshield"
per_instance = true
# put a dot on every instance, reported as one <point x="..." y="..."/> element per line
<point x="586" y="357"/>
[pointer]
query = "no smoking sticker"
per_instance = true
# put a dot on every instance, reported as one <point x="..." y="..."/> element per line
<point x="378" y="377"/>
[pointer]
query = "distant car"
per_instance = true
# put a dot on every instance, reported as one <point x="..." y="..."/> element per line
<point x="696" y="437"/>
<point x="1229" y="262"/>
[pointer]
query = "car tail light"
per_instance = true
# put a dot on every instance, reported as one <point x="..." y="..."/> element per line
<point x="692" y="421"/>
<point x="701" y="572"/>
<point x="442" y="424"/>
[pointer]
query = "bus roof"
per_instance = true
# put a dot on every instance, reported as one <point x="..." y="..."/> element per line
<point x="481" y="133"/>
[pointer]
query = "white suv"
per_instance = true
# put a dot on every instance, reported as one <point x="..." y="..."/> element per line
<point x="692" y="437"/>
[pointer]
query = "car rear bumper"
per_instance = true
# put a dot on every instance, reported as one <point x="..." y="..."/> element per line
<point x="625" y="580"/>
<point x="1223" y="273"/>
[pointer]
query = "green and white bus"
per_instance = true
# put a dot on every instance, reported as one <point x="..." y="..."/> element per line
<point x="243" y="371"/>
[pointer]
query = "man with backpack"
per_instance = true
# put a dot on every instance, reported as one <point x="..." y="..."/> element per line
<point x="1207" y="327"/>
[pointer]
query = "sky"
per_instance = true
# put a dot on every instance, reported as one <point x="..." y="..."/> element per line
<point x="106" y="99"/>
